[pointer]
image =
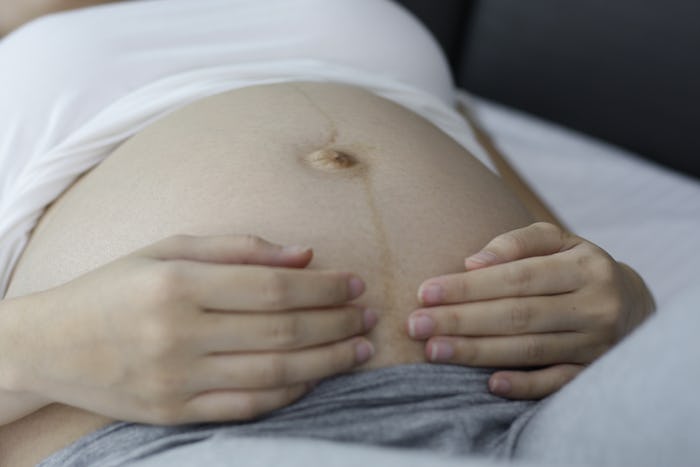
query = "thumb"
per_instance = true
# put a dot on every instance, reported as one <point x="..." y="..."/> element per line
<point x="538" y="239"/>
<point x="229" y="249"/>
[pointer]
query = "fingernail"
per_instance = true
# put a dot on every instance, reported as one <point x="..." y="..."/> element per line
<point x="370" y="318"/>
<point x="295" y="249"/>
<point x="482" y="257"/>
<point x="363" y="351"/>
<point x="500" y="386"/>
<point x="431" y="294"/>
<point x="441" y="351"/>
<point x="357" y="287"/>
<point x="421" y="326"/>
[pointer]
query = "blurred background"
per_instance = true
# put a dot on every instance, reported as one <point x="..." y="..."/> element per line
<point x="625" y="71"/>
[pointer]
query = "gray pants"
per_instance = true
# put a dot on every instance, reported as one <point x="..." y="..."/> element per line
<point x="635" y="406"/>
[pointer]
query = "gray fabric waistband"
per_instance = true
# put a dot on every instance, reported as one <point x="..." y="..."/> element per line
<point x="445" y="408"/>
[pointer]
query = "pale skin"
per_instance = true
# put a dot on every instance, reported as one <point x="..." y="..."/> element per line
<point x="536" y="296"/>
<point x="542" y="296"/>
<point x="185" y="363"/>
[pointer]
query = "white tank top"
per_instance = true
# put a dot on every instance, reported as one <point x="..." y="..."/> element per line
<point x="73" y="86"/>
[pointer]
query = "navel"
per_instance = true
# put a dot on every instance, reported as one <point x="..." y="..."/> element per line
<point x="330" y="160"/>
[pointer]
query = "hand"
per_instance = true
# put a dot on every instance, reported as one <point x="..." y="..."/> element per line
<point x="191" y="329"/>
<point x="533" y="297"/>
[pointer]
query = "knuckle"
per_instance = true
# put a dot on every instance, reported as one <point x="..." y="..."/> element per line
<point x="463" y="288"/>
<point x="452" y="320"/>
<point x="596" y="263"/>
<point x="520" y="317"/>
<point x="509" y="245"/>
<point x="160" y="336"/>
<point x="467" y="351"/>
<point x="604" y="269"/>
<point x="166" y="282"/>
<point x="252" y="242"/>
<point x="519" y="277"/>
<point x="272" y="373"/>
<point x="608" y="316"/>
<point x="286" y="332"/>
<point x="612" y="311"/>
<point x="534" y="349"/>
<point x="552" y="231"/>
<point x="275" y="290"/>
<point x="583" y="260"/>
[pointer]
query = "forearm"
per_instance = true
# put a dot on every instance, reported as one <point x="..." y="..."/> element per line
<point x="14" y="403"/>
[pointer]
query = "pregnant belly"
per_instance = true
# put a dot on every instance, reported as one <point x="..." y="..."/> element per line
<point x="372" y="187"/>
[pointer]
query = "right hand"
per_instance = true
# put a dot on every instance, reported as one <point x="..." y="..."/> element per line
<point x="192" y="329"/>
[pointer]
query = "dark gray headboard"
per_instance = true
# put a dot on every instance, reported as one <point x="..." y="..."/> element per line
<point x="626" y="71"/>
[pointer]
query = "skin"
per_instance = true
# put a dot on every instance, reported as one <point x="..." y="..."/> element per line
<point x="179" y="338"/>
<point x="536" y="296"/>
<point x="307" y="164"/>
<point x="463" y="329"/>
<point x="621" y="292"/>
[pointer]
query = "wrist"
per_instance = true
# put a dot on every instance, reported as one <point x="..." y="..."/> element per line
<point x="15" y="400"/>
<point x="20" y="331"/>
<point x="11" y="313"/>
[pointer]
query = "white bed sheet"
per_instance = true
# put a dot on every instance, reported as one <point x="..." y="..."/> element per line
<point x="641" y="213"/>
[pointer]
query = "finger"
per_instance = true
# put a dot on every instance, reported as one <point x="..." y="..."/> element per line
<point x="238" y="249"/>
<point x="262" y="288"/>
<point x="534" y="384"/>
<point x="502" y="317"/>
<point x="222" y="406"/>
<point x="538" y="239"/>
<point x="512" y="351"/>
<point x="527" y="277"/>
<point x="253" y="332"/>
<point x="273" y="370"/>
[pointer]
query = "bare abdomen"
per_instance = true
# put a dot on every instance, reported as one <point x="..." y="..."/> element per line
<point x="372" y="187"/>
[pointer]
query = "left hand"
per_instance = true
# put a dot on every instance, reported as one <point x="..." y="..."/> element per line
<point x="533" y="297"/>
